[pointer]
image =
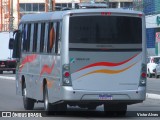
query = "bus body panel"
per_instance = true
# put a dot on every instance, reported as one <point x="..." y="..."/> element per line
<point x="105" y="71"/>
<point x="70" y="94"/>
<point x="35" y="68"/>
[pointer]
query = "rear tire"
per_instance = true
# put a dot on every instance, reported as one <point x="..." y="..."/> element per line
<point x="48" y="108"/>
<point x="52" y="109"/>
<point x="27" y="102"/>
<point x="156" y="76"/>
<point x="149" y="74"/>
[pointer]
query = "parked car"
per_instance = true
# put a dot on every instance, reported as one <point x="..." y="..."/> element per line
<point x="157" y="70"/>
<point x="152" y="62"/>
<point x="8" y="65"/>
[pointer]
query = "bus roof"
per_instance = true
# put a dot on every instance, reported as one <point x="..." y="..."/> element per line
<point x="59" y="14"/>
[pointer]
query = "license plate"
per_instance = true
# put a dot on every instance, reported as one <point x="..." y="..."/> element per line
<point x="105" y="97"/>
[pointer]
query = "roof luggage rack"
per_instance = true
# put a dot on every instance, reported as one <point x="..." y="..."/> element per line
<point x="59" y="8"/>
<point x="92" y="5"/>
<point x="83" y="5"/>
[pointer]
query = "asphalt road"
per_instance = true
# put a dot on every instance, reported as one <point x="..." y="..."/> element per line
<point x="9" y="101"/>
<point x="153" y="85"/>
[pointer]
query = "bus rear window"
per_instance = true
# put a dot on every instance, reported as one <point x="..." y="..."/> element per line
<point x="105" y="30"/>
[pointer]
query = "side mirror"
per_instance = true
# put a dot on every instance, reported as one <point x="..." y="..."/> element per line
<point x="11" y="43"/>
<point x="17" y="44"/>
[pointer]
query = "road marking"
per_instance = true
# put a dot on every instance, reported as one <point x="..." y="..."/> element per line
<point x="7" y="78"/>
<point x="152" y="96"/>
<point x="148" y="95"/>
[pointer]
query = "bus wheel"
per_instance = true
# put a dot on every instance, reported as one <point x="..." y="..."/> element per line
<point x="27" y="102"/>
<point x="111" y="110"/>
<point x="61" y="108"/>
<point x="156" y="76"/>
<point x="48" y="107"/>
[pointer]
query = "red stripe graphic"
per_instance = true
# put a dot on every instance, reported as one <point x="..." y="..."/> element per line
<point x="47" y="69"/>
<point x="107" y="63"/>
<point x="27" y="59"/>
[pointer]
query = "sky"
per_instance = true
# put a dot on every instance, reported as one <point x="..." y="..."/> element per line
<point x="4" y="40"/>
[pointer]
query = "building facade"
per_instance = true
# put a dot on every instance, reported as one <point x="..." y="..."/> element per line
<point x="151" y="8"/>
<point x="12" y="10"/>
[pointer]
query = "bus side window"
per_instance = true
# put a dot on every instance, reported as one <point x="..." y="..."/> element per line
<point x="24" y="37"/>
<point x="42" y="37"/>
<point x="51" y="37"/>
<point x="35" y="37"/>
<point x="28" y="37"/>
<point x="38" y="37"/>
<point x="57" y="42"/>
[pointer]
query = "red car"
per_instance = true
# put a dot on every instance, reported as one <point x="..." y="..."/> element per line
<point x="8" y="65"/>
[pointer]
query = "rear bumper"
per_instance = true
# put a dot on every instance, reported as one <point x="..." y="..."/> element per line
<point x="128" y="96"/>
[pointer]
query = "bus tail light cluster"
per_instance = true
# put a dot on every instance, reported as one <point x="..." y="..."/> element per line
<point x="66" y="75"/>
<point x="143" y="75"/>
<point x="106" y="13"/>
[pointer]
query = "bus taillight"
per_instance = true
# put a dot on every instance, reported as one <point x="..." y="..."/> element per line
<point x="106" y="13"/>
<point x="143" y="75"/>
<point x="66" y="74"/>
<point x="140" y="15"/>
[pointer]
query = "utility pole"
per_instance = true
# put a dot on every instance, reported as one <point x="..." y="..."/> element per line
<point x="46" y="5"/>
<point x="10" y="20"/>
<point x="50" y="6"/>
<point x="1" y="20"/>
<point x="53" y="5"/>
<point x="11" y="16"/>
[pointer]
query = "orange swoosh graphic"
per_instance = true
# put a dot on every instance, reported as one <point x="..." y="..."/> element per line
<point x="107" y="63"/>
<point x="49" y="85"/>
<point x="47" y="69"/>
<point x="27" y="59"/>
<point x="105" y="71"/>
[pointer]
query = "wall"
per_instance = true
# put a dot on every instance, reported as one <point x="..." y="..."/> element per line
<point x="153" y="26"/>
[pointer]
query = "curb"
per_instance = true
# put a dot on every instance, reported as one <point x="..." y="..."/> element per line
<point x="148" y="95"/>
<point x="7" y="78"/>
<point x="152" y="96"/>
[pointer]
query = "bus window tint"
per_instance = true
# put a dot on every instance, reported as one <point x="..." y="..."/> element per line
<point x="57" y="38"/>
<point x="42" y="37"/>
<point x="24" y="37"/>
<point x="51" y="37"/>
<point x="35" y="37"/>
<point x="28" y="37"/>
<point x="105" y="30"/>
